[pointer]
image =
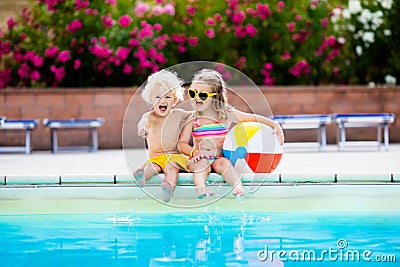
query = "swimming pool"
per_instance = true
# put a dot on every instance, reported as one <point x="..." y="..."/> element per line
<point x="278" y="225"/>
<point x="201" y="239"/>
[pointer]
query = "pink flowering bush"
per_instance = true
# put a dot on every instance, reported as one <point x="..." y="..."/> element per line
<point x="82" y="43"/>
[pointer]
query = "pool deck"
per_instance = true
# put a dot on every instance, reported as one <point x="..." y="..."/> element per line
<point x="112" y="162"/>
<point x="360" y="179"/>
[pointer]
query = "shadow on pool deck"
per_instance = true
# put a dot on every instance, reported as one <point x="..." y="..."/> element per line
<point x="354" y="160"/>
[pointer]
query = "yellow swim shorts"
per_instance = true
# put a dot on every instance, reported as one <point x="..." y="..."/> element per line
<point x="164" y="159"/>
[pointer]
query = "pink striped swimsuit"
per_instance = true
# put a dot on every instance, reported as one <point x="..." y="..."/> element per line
<point x="214" y="130"/>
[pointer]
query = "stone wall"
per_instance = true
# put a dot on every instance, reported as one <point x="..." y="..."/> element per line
<point x="112" y="103"/>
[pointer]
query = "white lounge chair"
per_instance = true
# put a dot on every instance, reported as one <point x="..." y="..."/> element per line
<point x="305" y="122"/>
<point x="90" y="124"/>
<point x="363" y="120"/>
<point x="25" y="126"/>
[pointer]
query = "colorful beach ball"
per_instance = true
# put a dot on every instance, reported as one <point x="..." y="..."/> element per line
<point x="253" y="147"/>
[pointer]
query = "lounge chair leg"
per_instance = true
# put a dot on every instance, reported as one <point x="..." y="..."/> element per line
<point x="54" y="141"/>
<point x="323" y="137"/>
<point x="95" y="141"/>
<point x="379" y="136"/>
<point x="386" y="136"/>
<point x="28" y="141"/>
<point x="342" y="140"/>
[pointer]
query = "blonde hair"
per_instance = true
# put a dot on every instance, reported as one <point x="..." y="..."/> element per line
<point x="214" y="78"/>
<point x="166" y="80"/>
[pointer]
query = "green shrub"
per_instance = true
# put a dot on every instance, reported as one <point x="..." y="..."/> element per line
<point x="81" y="43"/>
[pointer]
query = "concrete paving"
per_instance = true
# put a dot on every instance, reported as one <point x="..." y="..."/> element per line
<point x="372" y="194"/>
<point x="295" y="160"/>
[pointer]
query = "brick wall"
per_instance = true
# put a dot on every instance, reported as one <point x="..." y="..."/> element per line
<point x="112" y="103"/>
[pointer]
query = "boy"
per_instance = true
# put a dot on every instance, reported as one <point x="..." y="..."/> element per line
<point x="161" y="127"/>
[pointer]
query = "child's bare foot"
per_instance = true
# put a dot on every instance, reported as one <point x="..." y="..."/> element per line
<point x="139" y="176"/>
<point x="238" y="190"/>
<point x="167" y="189"/>
<point x="203" y="192"/>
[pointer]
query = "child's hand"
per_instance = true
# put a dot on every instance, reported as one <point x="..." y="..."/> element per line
<point x="196" y="156"/>
<point x="279" y="132"/>
<point x="142" y="133"/>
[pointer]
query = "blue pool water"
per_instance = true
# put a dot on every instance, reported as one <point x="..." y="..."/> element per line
<point x="201" y="239"/>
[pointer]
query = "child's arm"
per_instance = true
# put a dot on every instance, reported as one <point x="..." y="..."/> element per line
<point x="244" y="116"/>
<point x="184" y="113"/>
<point x="141" y="127"/>
<point x="184" y="139"/>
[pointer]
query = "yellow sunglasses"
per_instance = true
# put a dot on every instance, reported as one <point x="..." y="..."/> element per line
<point x="202" y="95"/>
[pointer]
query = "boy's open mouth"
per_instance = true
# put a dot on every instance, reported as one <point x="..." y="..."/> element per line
<point x="199" y="103"/>
<point x="162" y="108"/>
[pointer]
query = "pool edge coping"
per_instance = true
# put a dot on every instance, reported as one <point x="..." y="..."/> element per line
<point x="186" y="178"/>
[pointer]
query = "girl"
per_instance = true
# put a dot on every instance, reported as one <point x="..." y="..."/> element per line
<point x="208" y="126"/>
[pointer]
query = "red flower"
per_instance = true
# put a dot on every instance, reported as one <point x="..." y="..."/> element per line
<point x="133" y="43"/>
<point x="281" y="5"/>
<point x="269" y="80"/>
<point x="187" y="21"/>
<point x="64" y="56"/>
<point x="107" y="20"/>
<point x="210" y="22"/>
<point x="325" y="22"/>
<point x="178" y="38"/>
<point x="122" y="53"/>
<point x="218" y="17"/>
<point x="111" y="2"/>
<point x="336" y="71"/>
<point x="193" y="41"/>
<point x="331" y="41"/>
<point x="77" y="64"/>
<point x="268" y="66"/>
<point x="37" y="60"/>
<point x="59" y="73"/>
<point x="210" y="33"/>
<point x="23" y="71"/>
<point x="103" y="40"/>
<point x="125" y="20"/>
<point x="286" y="55"/>
<point x="74" y="26"/>
<point x="127" y="69"/>
<point x="239" y="17"/>
<point x="160" y="58"/>
<point x="80" y="4"/>
<point x="157" y="27"/>
<point x="302" y="67"/>
<point x="11" y="22"/>
<point x="263" y="10"/>
<point x="5" y="78"/>
<point x="182" y="49"/>
<point x="291" y="26"/>
<point x="190" y="10"/>
<point x="251" y="30"/>
<point x="35" y="75"/>
<point x="240" y="32"/>
<point x="51" y="52"/>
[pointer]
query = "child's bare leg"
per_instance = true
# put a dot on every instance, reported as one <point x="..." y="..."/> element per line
<point x="170" y="181"/>
<point x="201" y="170"/>
<point x="144" y="173"/>
<point x="224" y="167"/>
